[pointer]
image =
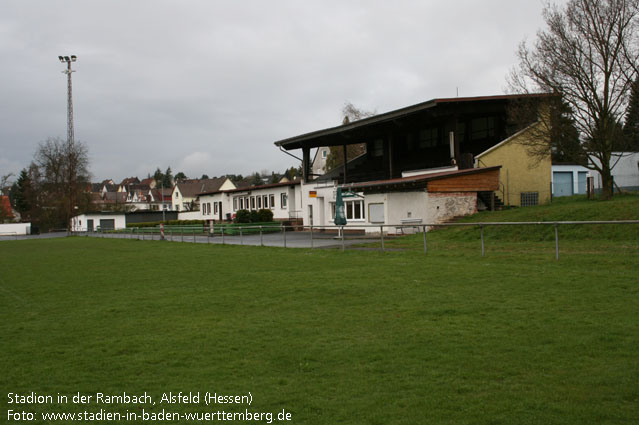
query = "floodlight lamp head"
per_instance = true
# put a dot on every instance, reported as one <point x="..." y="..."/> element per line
<point x="67" y="59"/>
<point x="74" y="58"/>
<point x="61" y="58"/>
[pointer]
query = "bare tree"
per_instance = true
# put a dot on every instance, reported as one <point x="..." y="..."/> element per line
<point x="336" y="153"/>
<point x="64" y="174"/>
<point x="588" y="55"/>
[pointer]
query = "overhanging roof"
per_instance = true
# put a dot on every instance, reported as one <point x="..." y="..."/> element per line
<point x="303" y="140"/>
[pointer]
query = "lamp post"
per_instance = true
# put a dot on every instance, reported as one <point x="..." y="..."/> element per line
<point x="72" y="178"/>
<point x="68" y="60"/>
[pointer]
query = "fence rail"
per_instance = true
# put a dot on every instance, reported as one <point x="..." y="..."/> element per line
<point x="317" y="235"/>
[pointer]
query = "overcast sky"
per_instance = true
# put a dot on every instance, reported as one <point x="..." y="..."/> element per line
<point x="208" y="86"/>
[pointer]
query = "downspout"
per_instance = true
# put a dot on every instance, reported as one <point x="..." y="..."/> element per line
<point x="290" y="154"/>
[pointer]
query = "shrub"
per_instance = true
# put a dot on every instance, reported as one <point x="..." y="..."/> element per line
<point x="242" y="216"/>
<point x="255" y="217"/>
<point x="265" y="216"/>
<point x="145" y="224"/>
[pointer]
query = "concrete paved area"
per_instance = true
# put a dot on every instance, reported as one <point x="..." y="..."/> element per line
<point x="279" y="239"/>
<point x="42" y="236"/>
<point x="289" y="240"/>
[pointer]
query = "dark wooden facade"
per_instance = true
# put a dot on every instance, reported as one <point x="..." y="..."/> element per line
<point x="416" y="137"/>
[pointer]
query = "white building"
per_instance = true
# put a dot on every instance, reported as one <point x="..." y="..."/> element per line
<point x="625" y="170"/>
<point x="15" y="229"/>
<point x="411" y="201"/>
<point x="91" y="222"/>
<point x="568" y="180"/>
<point x="185" y="192"/>
<point x="281" y="198"/>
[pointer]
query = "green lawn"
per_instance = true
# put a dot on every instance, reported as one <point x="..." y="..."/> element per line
<point x="359" y="337"/>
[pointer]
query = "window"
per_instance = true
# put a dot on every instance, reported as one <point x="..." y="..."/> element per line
<point x="529" y="199"/>
<point x="378" y="148"/>
<point x="208" y="208"/>
<point x="428" y="138"/>
<point x="241" y="203"/>
<point x="410" y="145"/>
<point x="482" y="128"/>
<point x="259" y="202"/>
<point x="176" y="195"/>
<point x="324" y="153"/>
<point x="354" y="210"/>
<point x="234" y="204"/>
<point x="246" y="202"/>
<point x="283" y="199"/>
<point x="271" y="200"/>
<point x="252" y="202"/>
<point x="215" y="210"/>
<point x="265" y="201"/>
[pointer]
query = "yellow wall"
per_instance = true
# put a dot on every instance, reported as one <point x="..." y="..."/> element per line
<point x="520" y="172"/>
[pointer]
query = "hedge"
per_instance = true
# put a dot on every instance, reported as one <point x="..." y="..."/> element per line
<point x="168" y="223"/>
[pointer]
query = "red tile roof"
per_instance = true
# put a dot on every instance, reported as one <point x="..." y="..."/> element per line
<point x="5" y="206"/>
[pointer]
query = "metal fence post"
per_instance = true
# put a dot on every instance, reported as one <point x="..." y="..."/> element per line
<point x="556" y="243"/>
<point x="208" y="236"/>
<point x="261" y="240"/>
<point x="284" y="233"/>
<point x="311" y="236"/>
<point x="481" y="227"/>
<point x="381" y="232"/>
<point x="424" y="239"/>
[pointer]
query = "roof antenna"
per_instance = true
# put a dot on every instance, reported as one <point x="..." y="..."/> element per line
<point x="457" y="91"/>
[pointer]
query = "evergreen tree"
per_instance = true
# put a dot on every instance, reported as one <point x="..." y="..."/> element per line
<point x="158" y="176"/>
<point x="631" y="126"/>
<point x="167" y="179"/>
<point x="21" y="193"/>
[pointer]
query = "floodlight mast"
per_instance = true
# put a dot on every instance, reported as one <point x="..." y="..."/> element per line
<point x="68" y="60"/>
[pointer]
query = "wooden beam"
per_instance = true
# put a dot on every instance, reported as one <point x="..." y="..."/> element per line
<point x="306" y="159"/>
<point x="389" y="138"/>
<point x="345" y="161"/>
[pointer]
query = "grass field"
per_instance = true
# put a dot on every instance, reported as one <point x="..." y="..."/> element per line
<point x="360" y="337"/>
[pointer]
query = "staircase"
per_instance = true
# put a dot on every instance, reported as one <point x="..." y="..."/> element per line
<point x="484" y="198"/>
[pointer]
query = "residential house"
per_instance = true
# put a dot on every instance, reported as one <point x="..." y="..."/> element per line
<point x="318" y="167"/>
<point x="419" y="165"/>
<point x="149" y="181"/>
<point x="6" y="212"/>
<point x="184" y="196"/>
